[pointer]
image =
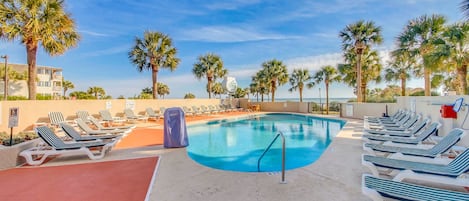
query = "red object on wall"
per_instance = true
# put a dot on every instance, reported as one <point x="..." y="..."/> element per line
<point x="448" y="112"/>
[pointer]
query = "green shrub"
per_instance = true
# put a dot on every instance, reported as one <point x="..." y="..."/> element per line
<point x="17" y="138"/>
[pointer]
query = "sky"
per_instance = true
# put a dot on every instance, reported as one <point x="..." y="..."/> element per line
<point x="244" y="33"/>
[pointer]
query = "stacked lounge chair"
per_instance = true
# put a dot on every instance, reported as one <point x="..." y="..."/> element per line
<point x="75" y="135"/>
<point x="423" y="135"/>
<point x="377" y="188"/>
<point x="130" y="116"/>
<point x="56" y="146"/>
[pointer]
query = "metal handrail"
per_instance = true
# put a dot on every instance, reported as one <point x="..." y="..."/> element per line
<point x="283" y="155"/>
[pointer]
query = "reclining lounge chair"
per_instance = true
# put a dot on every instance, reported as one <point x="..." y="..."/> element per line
<point x="75" y="135"/>
<point x="55" y="146"/>
<point x="377" y="188"/>
<point x="441" y="147"/>
<point x="451" y="173"/>
<point x="423" y="135"/>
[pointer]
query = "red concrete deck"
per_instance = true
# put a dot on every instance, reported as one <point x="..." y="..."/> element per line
<point x="111" y="180"/>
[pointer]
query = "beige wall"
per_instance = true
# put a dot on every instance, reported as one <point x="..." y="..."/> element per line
<point x="37" y="111"/>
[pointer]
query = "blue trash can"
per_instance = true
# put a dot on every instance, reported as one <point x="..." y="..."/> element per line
<point x="175" y="131"/>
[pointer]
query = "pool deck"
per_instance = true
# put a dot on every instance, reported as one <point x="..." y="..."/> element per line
<point x="335" y="176"/>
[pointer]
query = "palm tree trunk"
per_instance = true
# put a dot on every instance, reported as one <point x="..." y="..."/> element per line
<point x="359" y="78"/>
<point x="154" y="77"/>
<point x="462" y="74"/>
<point x="209" y="83"/>
<point x="31" y="49"/>
<point x="403" y="86"/>
<point x="301" y="94"/>
<point x="426" y="77"/>
<point x="327" y="97"/>
<point x="273" y="91"/>
<point x="363" y="89"/>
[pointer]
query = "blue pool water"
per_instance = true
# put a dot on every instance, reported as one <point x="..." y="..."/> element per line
<point x="236" y="145"/>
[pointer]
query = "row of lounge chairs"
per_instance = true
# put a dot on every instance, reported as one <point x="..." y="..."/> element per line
<point x="208" y="110"/>
<point x="85" y="135"/>
<point x="403" y="147"/>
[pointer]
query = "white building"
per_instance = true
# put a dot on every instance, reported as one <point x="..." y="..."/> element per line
<point x="49" y="81"/>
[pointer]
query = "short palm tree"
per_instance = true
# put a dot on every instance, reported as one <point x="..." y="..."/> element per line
<point x="298" y="81"/>
<point x="260" y="85"/>
<point x="163" y="89"/>
<point x="211" y="67"/>
<point x="217" y="89"/>
<point x="152" y="52"/>
<point x="453" y="48"/>
<point x="327" y="74"/>
<point x="400" y="68"/>
<point x="418" y="38"/>
<point x="66" y="85"/>
<point x="372" y="68"/>
<point x="189" y="96"/>
<point x="38" y="22"/>
<point x="276" y="73"/>
<point x="97" y="92"/>
<point x="359" y="37"/>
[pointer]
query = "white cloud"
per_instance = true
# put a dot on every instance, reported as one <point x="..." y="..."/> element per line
<point x="109" y="51"/>
<point x="229" y="34"/>
<point x="231" y="5"/>
<point x="92" y="33"/>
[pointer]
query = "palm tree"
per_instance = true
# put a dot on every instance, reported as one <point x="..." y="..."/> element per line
<point x="260" y="85"/>
<point x="97" y="92"/>
<point x="359" y="37"/>
<point x="239" y="93"/>
<point x="399" y="68"/>
<point x="38" y="22"/>
<point x="217" y="89"/>
<point x="371" y="69"/>
<point x="153" y="52"/>
<point x="276" y="73"/>
<point x="163" y="89"/>
<point x="418" y="39"/>
<point x="66" y="85"/>
<point x="189" y="96"/>
<point x="453" y="48"/>
<point x="328" y="74"/>
<point x="464" y="6"/>
<point x="209" y="66"/>
<point x="12" y="77"/>
<point x="298" y="79"/>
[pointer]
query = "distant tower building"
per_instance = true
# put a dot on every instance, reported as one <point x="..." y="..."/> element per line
<point x="49" y="81"/>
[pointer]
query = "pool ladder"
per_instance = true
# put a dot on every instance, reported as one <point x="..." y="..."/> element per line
<point x="283" y="155"/>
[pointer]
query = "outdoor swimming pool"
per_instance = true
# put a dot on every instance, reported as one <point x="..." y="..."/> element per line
<point x="236" y="145"/>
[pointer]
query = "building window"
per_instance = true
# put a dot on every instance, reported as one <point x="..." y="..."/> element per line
<point x="43" y="84"/>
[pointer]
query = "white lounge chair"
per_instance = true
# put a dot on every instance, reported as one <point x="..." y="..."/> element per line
<point x="452" y="173"/>
<point x="89" y="131"/>
<point x="55" y="146"/>
<point x="75" y="135"/>
<point x="377" y="188"/>
<point x="98" y="125"/>
<point x="56" y="118"/>
<point x="152" y="114"/>
<point x="129" y="114"/>
<point x="107" y="117"/>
